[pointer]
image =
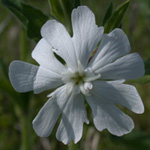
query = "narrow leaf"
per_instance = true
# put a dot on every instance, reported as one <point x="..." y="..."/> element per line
<point x="56" y="9"/>
<point x="35" y="20"/>
<point x="115" y="20"/>
<point x="108" y="13"/>
<point x="143" y="80"/>
<point x="15" y="9"/>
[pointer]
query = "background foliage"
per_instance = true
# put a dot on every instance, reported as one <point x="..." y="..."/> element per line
<point x="17" y="112"/>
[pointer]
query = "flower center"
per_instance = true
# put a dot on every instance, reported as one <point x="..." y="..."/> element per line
<point x="80" y="80"/>
<point x="77" y="78"/>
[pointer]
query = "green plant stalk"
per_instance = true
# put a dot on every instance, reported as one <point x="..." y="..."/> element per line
<point x="23" y="44"/>
<point x="25" y="128"/>
<point x="73" y="146"/>
<point x="22" y="112"/>
<point x="70" y="146"/>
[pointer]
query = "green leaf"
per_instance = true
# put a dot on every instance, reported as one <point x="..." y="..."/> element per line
<point x="108" y="13"/>
<point x="143" y="80"/>
<point x="62" y="9"/>
<point x="116" y="18"/>
<point x="31" y="18"/>
<point x="36" y="19"/>
<point x="14" y="7"/>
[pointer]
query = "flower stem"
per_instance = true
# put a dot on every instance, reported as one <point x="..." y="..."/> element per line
<point x="25" y="133"/>
<point x="23" y="44"/>
<point x="23" y="108"/>
<point x="72" y="146"/>
<point x="25" y="130"/>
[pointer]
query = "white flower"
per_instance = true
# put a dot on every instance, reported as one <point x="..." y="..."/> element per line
<point x="99" y="81"/>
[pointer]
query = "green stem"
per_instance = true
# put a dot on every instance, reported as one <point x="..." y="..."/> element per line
<point x="25" y="133"/>
<point x="72" y="146"/>
<point x="25" y="130"/>
<point x="22" y="111"/>
<point x="23" y="44"/>
<point x="69" y="146"/>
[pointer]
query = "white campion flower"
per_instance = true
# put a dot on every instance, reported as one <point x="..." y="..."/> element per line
<point x="99" y="81"/>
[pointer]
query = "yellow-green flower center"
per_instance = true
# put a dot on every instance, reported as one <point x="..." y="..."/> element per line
<point x="77" y="77"/>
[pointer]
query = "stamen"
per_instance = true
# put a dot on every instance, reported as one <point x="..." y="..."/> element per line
<point x="92" y="78"/>
<point x="88" y="85"/>
<point x="80" y="68"/>
<point x="89" y="70"/>
<point x="85" y="87"/>
<point x="79" y="80"/>
<point x="66" y="76"/>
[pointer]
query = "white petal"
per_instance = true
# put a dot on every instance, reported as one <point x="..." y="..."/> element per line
<point x="117" y="93"/>
<point x="111" y="118"/>
<point x="73" y="117"/>
<point x="46" y="79"/>
<point x="56" y="35"/>
<point x="43" y="54"/>
<point x="129" y="97"/>
<point x="86" y="34"/>
<point x="130" y="66"/>
<point x="46" y="119"/>
<point x="106" y="114"/>
<point x="113" y="46"/>
<point x="22" y="75"/>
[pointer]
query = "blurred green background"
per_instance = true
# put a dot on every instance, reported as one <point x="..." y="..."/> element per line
<point x="13" y="41"/>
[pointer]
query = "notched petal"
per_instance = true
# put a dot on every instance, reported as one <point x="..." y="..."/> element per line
<point x="73" y="117"/>
<point x="22" y="75"/>
<point x="86" y="34"/>
<point x="43" y="54"/>
<point x="113" y="46"/>
<point x="103" y="99"/>
<point x="58" y="37"/>
<point x="107" y="116"/>
<point x="45" y="120"/>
